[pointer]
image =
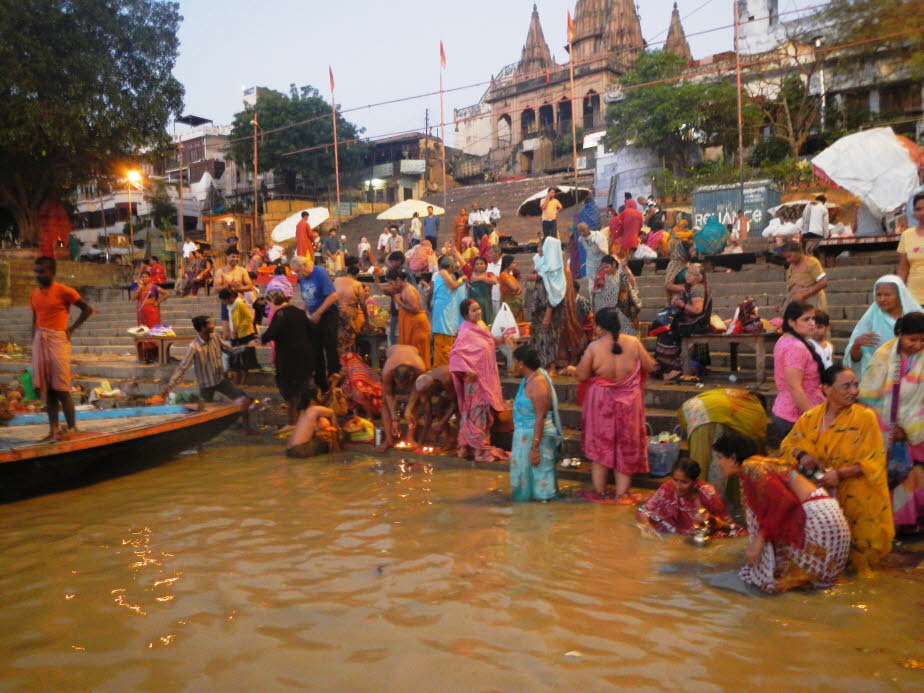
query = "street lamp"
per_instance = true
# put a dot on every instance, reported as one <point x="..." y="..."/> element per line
<point x="256" y="184"/>
<point x="132" y="178"/>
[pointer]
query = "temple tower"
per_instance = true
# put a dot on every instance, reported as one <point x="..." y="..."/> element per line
<point x="676" y="38"/>
<point x="535" y="55"/>
<point x="624" y="32"/>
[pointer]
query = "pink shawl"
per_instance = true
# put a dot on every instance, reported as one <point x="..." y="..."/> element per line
<point x="473" y="352"/>
<point x="613" y="423"/>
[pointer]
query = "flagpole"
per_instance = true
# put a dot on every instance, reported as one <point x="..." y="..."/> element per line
<point x="573" y="113"/>
<point x="333" y="115"/>
<point x="443" y="120"/>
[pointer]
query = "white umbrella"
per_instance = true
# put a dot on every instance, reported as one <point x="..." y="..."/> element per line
<point x="285" y="229"/>
<point x="567" y="195"/>
<point x="406" y="209"/>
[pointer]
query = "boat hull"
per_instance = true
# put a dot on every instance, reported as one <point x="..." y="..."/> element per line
<point x="35" y="469"/>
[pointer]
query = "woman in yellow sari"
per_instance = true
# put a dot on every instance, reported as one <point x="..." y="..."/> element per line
<point x="840" y="444"/>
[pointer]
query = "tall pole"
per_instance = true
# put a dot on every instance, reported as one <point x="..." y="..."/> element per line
<point x="181" y="219"/>
<point x="443" y="120"/>
<point x="426" y="155"/>
<point x="256" y="184"/>
<point x="102" y="212"/>
<point x="740" y="118"/>
<point x="333" y="116"/>
<point x="573" y="112"/>
<point x="131" y="226"/>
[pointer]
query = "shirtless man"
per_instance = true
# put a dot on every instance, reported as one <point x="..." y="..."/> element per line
<point x="402" y="367"/>
<point x="231" y="276"/>
<point x="302" y="441"/>
<point x="435" y="383"/>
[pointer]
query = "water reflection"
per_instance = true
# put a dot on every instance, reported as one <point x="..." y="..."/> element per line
<point x="241" y="570"/>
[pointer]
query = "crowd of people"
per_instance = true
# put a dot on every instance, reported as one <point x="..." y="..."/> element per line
<point x="847" y="437"/>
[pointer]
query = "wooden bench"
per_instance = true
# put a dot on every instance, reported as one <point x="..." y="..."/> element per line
<point x="163" y="345"/>
<point x="759" y="342"/>
<point x="829" y="248"/>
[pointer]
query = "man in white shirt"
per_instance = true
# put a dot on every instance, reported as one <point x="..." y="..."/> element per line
<point x="416" y="227"/>
<point x="494" y="267"/>
<point x="382" y="248"/>
<point x="395" y="242"/>
<point x="478" y="223"/>
<point x="815" y="219"/>
<point x="494" y="215"/>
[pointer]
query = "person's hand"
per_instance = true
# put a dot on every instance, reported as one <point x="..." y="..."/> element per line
<point x="830" y="479"/>
<point x="809" y="462"/>
<point x="314" y="318"/>
<point x="547" y="321"/>
<point x="69" y="331"/>
<point x="534" y="455"/>
<point x="677" y="301"/>
<point x="396" y="430"/>
<point x="868" y="339"/>
<point x="755" y="548"/>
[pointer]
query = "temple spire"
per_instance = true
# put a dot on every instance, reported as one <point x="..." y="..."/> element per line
<point x="676" y="38"/>
<point x="536" y="55"/>
<point x="624" y="32"/>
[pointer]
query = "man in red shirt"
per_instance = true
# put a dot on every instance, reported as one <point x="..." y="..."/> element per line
<point x="304" y="238"/>
<point x="624" y="230"/>
<point x="51" y="343"/>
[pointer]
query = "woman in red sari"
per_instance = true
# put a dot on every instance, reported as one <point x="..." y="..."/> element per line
<point x="612" y="373"/>
<point x="799" y="536"/>
<point x="676" y="506"/>
<point x="148" y="297"/>
<point x="473" y="365"/>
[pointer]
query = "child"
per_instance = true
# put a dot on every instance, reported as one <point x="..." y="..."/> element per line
<point x="243" y="334"/>
<point x="819" y="339"/>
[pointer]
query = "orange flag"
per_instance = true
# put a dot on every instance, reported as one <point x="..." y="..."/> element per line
<point x="570" y="27"/>
<point x="331" y="73"/>
<point x="442" y="56"/>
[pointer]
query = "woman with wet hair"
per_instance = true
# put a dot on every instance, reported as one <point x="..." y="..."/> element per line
<point x="677" y="505"/>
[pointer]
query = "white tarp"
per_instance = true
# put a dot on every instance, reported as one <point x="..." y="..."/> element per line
<point x="874" y="166"/>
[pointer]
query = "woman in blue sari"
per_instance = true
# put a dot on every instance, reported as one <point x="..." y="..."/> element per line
<point x="537" y="432"/>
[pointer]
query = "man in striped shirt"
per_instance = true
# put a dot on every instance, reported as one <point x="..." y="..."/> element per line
<point x="204" y="354"/>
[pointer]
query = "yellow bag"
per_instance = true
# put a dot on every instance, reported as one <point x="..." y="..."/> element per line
<point x="360" y="430"/>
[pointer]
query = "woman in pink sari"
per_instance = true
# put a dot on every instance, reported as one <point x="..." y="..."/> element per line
<point x="474" y="373"/>
<point x="612" y="374"/>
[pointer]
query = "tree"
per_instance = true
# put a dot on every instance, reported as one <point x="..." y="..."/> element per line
<point x="276" y="110"/>
<point x="85" y="83"/>
<point x="163" y="211"/>
<point x="669" y="117"/>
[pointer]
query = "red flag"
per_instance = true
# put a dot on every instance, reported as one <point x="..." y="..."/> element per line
<point x="442" y="56"/>
<point x="570" y="27"/>
<point x="547" y="77"/>
<point x="331" y="72"/>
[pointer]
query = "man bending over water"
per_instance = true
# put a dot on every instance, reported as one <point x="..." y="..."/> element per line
<point x="401" y="369"/>
<point x="435" y="383"/>
<point x="204" y="354"/>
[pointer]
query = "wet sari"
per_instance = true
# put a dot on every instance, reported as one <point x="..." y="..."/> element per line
<point x="360" y="383"/>
<point x="527" y="482"/>
<point x="613" y="423"/>
<point x="852" y="439"/>
<point x="672" y="513"/>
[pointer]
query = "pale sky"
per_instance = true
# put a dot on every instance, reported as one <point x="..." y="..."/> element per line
<point x="386" y="49"/>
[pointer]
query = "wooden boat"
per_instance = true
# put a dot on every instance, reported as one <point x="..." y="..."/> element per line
<point x="109" y="443"/>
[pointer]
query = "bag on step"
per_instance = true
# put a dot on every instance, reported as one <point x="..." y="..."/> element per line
<point x="505" y="325"/>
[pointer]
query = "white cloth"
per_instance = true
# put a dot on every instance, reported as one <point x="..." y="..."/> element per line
<point x="477" y="217"/>
<point x="495" y="269"/>
<point x="416" y="226"/>
<point x="383" y="240"/>
<point x="277" y="252"/>
<point x="188" y="248"/>
<point x="826" y="353"/>
<point x="815" y="219"/>
<point x="363" y="247"/>
<point x="494" y="215"/>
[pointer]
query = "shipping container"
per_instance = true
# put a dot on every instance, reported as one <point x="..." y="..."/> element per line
<point x="725" y="201"/>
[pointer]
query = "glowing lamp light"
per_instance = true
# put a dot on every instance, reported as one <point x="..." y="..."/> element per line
<point x="134" y="177"/>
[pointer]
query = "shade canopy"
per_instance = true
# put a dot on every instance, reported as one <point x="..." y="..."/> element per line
<point x="568" y="195"/>
<point x="406" y="209"/>
<point x="285" y="229"/>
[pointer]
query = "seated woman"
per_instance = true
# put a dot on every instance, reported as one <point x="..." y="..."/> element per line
<point x="897" y="369"/>
<point x="877" y="326"/>
<point x="695" y="304"/>
<point x="841" y="439"/>
<point x="314" y="434"/>
<point x="537" y="432"/>
<point x="798" y="534"/>
<point x="675" y="507"/>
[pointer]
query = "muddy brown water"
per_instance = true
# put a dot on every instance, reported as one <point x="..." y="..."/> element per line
<point x="238" y="570"/>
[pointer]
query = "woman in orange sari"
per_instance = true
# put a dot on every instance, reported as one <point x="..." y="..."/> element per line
<point x="413" y="325"/>
<point x="460" y="228"/>
<point x="511" y="291"/>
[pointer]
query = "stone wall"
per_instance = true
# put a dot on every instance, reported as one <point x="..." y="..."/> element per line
<point x="89" y="278"/>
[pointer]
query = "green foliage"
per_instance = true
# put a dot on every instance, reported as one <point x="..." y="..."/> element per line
<point x="308" y="171"/>
<point x="163" y="210"/>
<point x="669" y="117"/>
<point x="563" y="145"/>
<point x="770" y="150"/>
<point x="86" y="83"/>
<point x="669" y="184"/>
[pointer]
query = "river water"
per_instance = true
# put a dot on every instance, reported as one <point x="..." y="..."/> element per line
<point x="238" y="570"/>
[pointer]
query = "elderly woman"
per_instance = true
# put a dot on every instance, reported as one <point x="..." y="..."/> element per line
<point x="537" y="432"/>
<point x="473" y="365"/>
<point x="797" y="370"/>
<point x="480" y="284"/>
<point x="892" y="385"/>
<point x="695" y="304"/>
<point x="798" y="534"/>
<point x="614" y="368"/>
<point x="877" y="326"/>
<point x="681" y="255"/>
<point x="617" y="288"/>
<point x="421" y="257"/>
<point x="294" y="350"/>
<point x="676" y="506"/>
<point x="840" y="440"/>
<point x="805" y="278"/>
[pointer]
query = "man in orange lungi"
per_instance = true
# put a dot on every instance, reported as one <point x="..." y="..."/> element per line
<point x="51" y="343"/>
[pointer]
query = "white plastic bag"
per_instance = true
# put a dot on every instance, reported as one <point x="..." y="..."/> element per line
<point x="505" y="325"/>
<point x="645" y="253"/>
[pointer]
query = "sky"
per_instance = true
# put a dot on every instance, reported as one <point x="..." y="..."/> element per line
<point x="382" y="50"/>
